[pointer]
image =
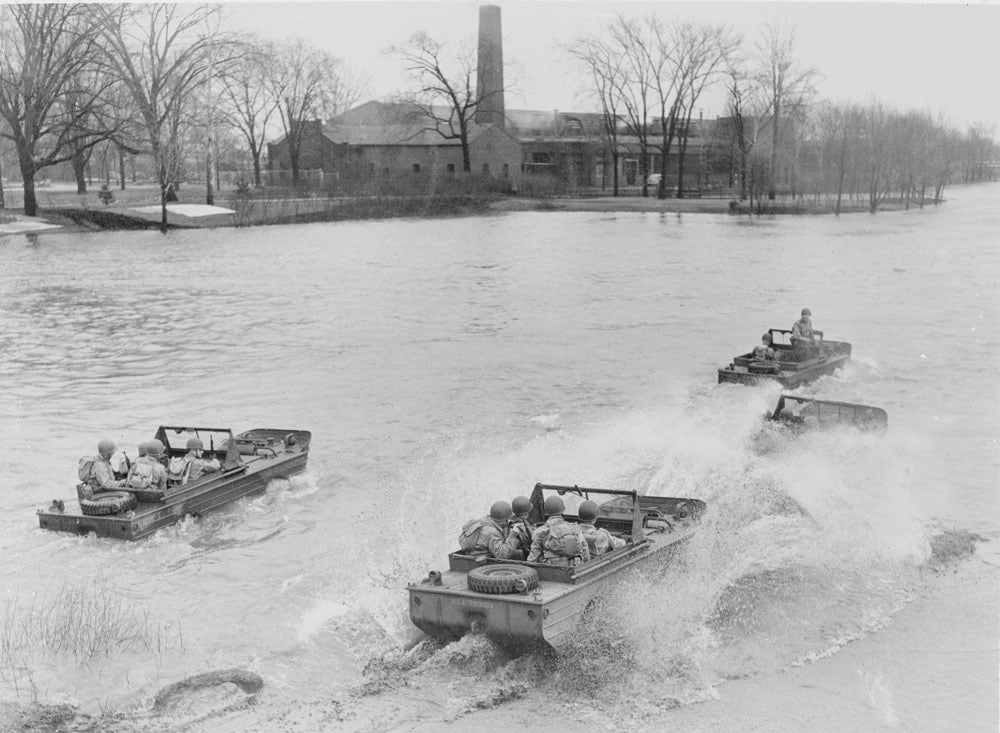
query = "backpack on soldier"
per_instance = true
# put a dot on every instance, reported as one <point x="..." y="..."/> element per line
<point x="470" y="535"/>
<point x="563" y="540"/>
<point x="177" y="470"/>
<point x="85" y="470"/>
<point x="141" y="475"/>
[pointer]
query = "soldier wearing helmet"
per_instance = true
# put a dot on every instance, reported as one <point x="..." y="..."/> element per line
<point x="490" y="536"/>
<point x="96" y="472"/>
<point x="558" y="542"/>
<point x="519" y="523"/>
<point x="148" y="472"/>
<point x="764" y="351"/>
<point x="197" y="464"/>
<point x="804" y="335"/>
<point x="601" y="540"/>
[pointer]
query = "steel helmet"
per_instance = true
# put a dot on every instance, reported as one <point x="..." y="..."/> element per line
<point x="521" y="505"/>
<point x="154" y="448"/>
<point x="587" y="510"/>
<point x="195" y="444"/>
<point x="143" y="448"/>
<point x="766" y="337"/>
<point x="554" y="505"/>
<point x="806" y="312"/>
<point x="500" y="511"/>
<point x="106" y="447"/>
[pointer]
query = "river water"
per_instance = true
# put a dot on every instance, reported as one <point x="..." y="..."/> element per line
<point x="443" y="364"/>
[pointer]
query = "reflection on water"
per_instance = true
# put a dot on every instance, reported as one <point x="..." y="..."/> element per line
<point x="444" y="364"/>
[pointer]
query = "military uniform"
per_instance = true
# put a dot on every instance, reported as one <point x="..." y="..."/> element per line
<point x="543" y="549"/>
<point x="599" y="541"/>
<point x="101" y="478"/>
<point x="159" y="480"/>
<point x="197" y="466"/>
<point x="493" y="540"/>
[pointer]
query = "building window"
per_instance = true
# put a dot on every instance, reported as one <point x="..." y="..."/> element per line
<point x="486" y="169"/>
<point x="506" y="170"/>
<point x="416" y="168"/>
<point x="451" y="169"/>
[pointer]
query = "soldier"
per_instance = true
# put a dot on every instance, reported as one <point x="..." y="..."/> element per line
<point x="147" y="471"/>
<point x="558" y="542"/>
<point x="599" y="541"/>
<point x="196" y="463"/>
<point x="95" y="472"/>
<point x="490" y="536"/>
<point x="521" y="506"/>
<point x="764" y="351"/>
<point x="804" y="335"/>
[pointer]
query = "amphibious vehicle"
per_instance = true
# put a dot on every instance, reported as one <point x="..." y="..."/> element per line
<point x="248" y="462"/>
<point x="792" y="367"/>
<point x="520" y="603"/>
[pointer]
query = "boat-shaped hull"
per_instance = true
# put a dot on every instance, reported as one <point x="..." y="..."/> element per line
<point x="445" y="607"/>
<point x="270" y="457"/>
<point x="789" y="369"/>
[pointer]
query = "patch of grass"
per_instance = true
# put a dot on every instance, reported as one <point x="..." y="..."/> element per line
<point x="82" y="620"/>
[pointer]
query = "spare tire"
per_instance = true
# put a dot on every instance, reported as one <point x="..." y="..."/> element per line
<point x="763" y="367"/>
<point x="108" y="502"/>
<point x="502" y="579"/>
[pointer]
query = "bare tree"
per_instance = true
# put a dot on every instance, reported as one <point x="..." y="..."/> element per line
<point x="607" y="75"/>
<point x="45" y="48"/>
<point x="301" y="79"/>
<point x="785" y="82"/>
<point x="628" y="38"/>
<point x="701" y="53"/>
<point x="444" y="91"/>
<point x="160" y="53"/>
<point x="248" y="103"/>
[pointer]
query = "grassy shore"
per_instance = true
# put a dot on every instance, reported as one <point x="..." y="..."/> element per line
<point x="137" y="207"/>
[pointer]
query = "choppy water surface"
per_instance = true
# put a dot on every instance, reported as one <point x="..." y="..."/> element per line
<point x="444" y="364"/>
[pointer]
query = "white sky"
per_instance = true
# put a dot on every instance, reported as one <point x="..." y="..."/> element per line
<point x="939" y="57"/>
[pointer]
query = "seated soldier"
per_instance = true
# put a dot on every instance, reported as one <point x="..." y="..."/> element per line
<point x="599" y="541"/>
<point x="764" y="350"/>
<point x="490" y="536"/>
<point x="521" y="506"/>
<point x="558" y="542"/>
<point x="804" y="336"/>
<point x="197" y="464"/>
<point x="95" y="472"/>
<point x="147" y="472"/>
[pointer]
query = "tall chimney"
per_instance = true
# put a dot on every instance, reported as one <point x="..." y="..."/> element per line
<point x="489" y="73"/>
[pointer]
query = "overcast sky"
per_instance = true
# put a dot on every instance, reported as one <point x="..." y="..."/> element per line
<point x="938" y="57"/>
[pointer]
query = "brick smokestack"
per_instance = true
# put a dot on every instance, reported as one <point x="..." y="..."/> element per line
<point x="489" y="72"/>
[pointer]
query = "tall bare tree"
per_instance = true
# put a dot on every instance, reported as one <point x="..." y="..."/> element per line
<point x="248" y="104"/>
<point x="45" y="49"/>
<point x="702" y="55"/>
<point x="785" y="82"/>
<point x="444" y="92"/>
<point x="607" y="76"/>
<point x="301" y="79"/>
<point x="159" y="51"/>
<point x="628" y="38"/>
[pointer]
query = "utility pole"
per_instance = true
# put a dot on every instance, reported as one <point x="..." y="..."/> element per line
<point x="209" y="194"/>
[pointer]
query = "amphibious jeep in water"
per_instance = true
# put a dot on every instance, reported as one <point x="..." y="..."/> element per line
<point x="521" y="603"/>
<point x="808" y="412"/>
<point x="791" y="367"/>
<point x="248" y="462"/>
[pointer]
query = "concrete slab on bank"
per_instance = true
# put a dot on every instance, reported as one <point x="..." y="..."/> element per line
<point x="187" y="215"/>
<point x="22" y="225"/>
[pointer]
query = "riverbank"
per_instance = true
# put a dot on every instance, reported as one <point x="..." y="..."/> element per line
<point x="261" y="212"/>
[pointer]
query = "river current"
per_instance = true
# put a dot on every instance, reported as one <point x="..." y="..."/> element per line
<point x="444" y="364"/>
